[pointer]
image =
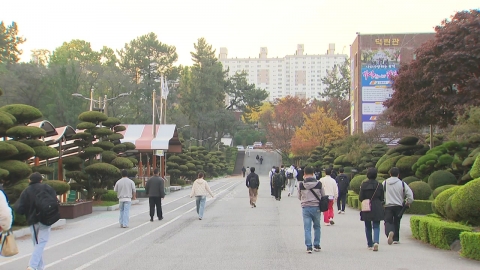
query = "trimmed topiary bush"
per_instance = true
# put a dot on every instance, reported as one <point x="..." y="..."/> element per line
<point x="109" y="196"/>
<point x="86" y="125"/>
<point x="405" y="165"/>
<point x="43" y="169"/>
<point x="475" y="170"/>
<point x="466" y="202"/>
<point x="356" y="182"/>
<point x="441" y="189"/>
<point x="442" y="234"/>
<point x="24" y="151"/>
<point x="45" y="152"/>
<point x="410" y="179"/>
<point x="409" y="140"/>
<point x="441" y="178"/>
<point x="122" y="163"/>
<point x="441" y="200"/>
<point x="24" y="114"/>
<point x="24" y="132"/>
<point x="470" y="242"/>
<point x="420" y="207"/>
<point x="7" y="150"/>
<point x="421" y="190"/>
<point x="17" y="169"/>
<point x="388" y="164"/>
<point x="92" y="116"/>
<point x="60" y="187"/>
<point x="449" y="212"/>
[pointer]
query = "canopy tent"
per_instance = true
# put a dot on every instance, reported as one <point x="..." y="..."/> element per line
<point x="142" y="136"/>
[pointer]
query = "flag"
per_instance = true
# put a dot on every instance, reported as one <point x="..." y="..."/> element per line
<point x="165" y="88"/>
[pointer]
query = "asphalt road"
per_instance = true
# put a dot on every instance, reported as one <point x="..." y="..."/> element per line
<point x="231" y="236"/>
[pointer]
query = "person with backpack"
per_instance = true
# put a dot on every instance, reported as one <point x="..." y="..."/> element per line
<point x="291" y="175"/>
<point x="257" y="158"/>
<point x="397" y="196"/>
<point x="334" y="173"/>
<point x="243" y="171"/>
<point x="300" y="173"/>
<point x="343" y="182"/>
<point x="126" y="192"/>
<point x="261" y="159"/>
<point x="318" y="173"/>
<point x="284" y="177"/>
<point x="309" y="192"/>
<point x="278" y="184"/>
<point x="270" y="176"/>
<point x="39" y="203"/>
<point x="253" y="182"/>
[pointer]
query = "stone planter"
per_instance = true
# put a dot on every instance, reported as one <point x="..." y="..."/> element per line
<point x="74" y="210"/>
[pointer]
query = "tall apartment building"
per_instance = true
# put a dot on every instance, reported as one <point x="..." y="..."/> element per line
<point x="293" y="75"/>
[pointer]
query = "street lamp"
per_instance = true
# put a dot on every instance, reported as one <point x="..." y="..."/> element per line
<point x="99" y="101"/>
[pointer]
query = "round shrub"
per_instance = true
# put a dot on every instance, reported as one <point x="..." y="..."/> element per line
<point x="409" y="140"/>
<point x="92" y="151"/>
<point x="410" y="179"/>
<point x="60" y="187"/>
<point x="24" y="151"/>
<point x="82" y="135"/>
<point x="111" y="122"/>
<point x="441" y="178"/>
<point x="356" y="182"/>
<point x="72" y="160"/>
<point x="108" y="156"/>
<point x="441" y="189"/>
<point x="119" y="128"/>
<point x="103" y="169"/>
<point x="129" y="145"/>
<point x="405" y="164"/>
<point x="109" y="196"/>
<point x="24" y="114"/>
<point x="115" y="137"/>
<point x="3" y="173"/>
<point x="102" y="132"/>
<point x="449" y="212"/>
<point x="122" y="163"/>
<point x="421" y="190"/>
<point x="86" y="125"/>
<point x="119" y="148"/>
<point x="7" y="120"/>
<point x="21" y="132"/>
<point x="475" y="170"/>
<point x="105" y="145"/>
<point x="43" y="169"/>
<point x="7" y="150"/>
<point x="388" y="164"/>
<point x="17" y="169"/>
<point x="442" y="198"/>
<point x="466" y="202"/>
<point x="33" y="143"/>
<point x="92" y="116"/>
<point x="45" y="152"/>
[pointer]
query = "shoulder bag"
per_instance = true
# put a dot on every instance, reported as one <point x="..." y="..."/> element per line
<point x="367" y="203"/>
<point x="8" y="246"/>
<point x="323" y="202"/>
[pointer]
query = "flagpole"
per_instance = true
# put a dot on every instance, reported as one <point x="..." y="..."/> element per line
<point x="161" y="99"/>
<point x="165" y="94"/>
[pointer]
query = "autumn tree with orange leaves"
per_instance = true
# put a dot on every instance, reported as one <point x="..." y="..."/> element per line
<point x="281" y="122"/>
<point x="318" y="129"/>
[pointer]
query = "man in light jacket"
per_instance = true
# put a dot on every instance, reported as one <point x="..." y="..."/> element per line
<point x="155" y="189"/>
<point x="126" y="191"/>
<point x="291" y="174"/>
<point x="331" y="190"/>
<point x="311" y="208"/>
<point x="397" y="193"/>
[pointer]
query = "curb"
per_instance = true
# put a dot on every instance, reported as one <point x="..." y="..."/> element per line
<point x="111" y="208"/>
<point x="26" y="231"/>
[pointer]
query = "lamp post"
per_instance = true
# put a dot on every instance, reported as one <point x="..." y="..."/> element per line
<point x="99" y="101"/>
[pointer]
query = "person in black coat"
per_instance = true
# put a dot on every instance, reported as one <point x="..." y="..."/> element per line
<point x="372" y="190"/>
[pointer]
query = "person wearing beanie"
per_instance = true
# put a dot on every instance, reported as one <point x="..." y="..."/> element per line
<point x="27" y="205"/>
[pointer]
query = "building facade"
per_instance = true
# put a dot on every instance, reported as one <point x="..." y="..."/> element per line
<point x="374" y="59"/>
<point x="293" y="75"/>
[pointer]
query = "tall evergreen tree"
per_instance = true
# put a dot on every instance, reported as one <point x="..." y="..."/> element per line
<point x="9" y="41"/>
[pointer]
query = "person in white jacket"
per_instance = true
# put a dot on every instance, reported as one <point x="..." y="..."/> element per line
<point x="291" y="174"/>
<point x="331" y="190"/>
<point x="200" y="189"/>
<point x="6" y="216"/>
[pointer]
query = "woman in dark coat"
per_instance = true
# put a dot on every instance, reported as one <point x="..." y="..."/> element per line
<point x="371" y="189"/>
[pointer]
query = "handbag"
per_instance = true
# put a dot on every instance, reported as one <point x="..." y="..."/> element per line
<point x="323" y="202"/>
<point x="367" y="203"/>
<point x="8" y="245"/>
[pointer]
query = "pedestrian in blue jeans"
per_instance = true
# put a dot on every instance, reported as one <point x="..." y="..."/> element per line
<point x="310" y="208"/>
<point x="200" y="189"/>
<point x="126" y="191"/>
<point x="372" y="190"/>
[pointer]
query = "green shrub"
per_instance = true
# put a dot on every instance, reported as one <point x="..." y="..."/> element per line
<point x="110" y="196"/>
<point x="441" y="178"/>
<point x="441" y="200"/>
<point x="43" y="169"/>
<point x="7" y="150"/>
<point x="105" y="145"/>
<point x="388" y="164"/>
<point x="420" y="207"/>
<point x="475" y="170"/>
<point x="451" y="214"/>
<point x="45" y="152"/>
<point x="24" y="151"/>
<point x="86" y="125"/>
<point x="356" y="182"/>
<point x="405" y="164"/>
<point x="409" y="140"/>
<point x="22" y="132"/>
<point x="470" y="243"/>
<point x="122" y="163"/>
<point x="19" y="220"/>
<point x="439" y="190"/>
<point x="180" y="182"/>
<point x="349" y="200"/>
<point x="111" y="121"/>
<point x="24" y="114"/>
<point x="410" y="179"/>
<point x="60" y="187"/>
<point x="92" y="116"/>
<point x="414" y="226"/>
<point x="355" y="201"/>
<point x="421" y="190"/>
<point x="17" y="169"/>
<point x="442" y="234"/>
<point x="423" y="230"/>
<point x="466" y="202"/>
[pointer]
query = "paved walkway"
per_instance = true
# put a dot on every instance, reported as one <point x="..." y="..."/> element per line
<point x="231" y="236"/>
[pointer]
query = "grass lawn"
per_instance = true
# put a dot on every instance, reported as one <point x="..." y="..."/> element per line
<point x="103" y="203"/>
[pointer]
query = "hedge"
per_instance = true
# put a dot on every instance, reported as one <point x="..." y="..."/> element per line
<point x="410" y="179"/>
<point x="441" y="189"/>
<point x="466" y="202"/>
<point x="420" y="207"/>
<point x="470" y="243"/>
<point x="441" y="200"/>
<point x="435" y="231"/>
<point x="110" y="196"/>
<point x="355" y="201"/>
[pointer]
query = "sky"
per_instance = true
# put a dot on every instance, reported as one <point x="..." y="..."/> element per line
<point x="241" y="26"/>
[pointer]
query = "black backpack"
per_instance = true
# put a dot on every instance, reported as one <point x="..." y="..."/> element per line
<point x="47" y="206"/>
<point x="289" y="175"/>
<point x="278" y="180"/>
<point x="254" y="182"/>
<point x="318" y="175"/>
<point x="282" y="174"/>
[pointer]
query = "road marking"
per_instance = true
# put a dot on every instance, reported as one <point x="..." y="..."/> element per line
<point x="131" y="230"/>
<point x="96" y="230"/>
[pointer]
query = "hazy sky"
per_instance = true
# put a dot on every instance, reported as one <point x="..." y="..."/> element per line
<point x="241" y="26"/>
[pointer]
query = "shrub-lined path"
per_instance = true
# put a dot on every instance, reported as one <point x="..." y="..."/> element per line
<point x="231" y="236"/>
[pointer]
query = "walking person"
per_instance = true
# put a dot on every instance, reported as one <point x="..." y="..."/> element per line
<point x="126" y="191"/>
<point x="372" y="190"/>
<point x="243" y="171"/>
<point x="155" y="190"/>
<point x="270" y="176"/>
<point x="397" y="195"/>
<point x="200" y="189"/>
<point x="277" y="184"/>
<point x="331" y="190"/>
<point x="343" y="182"/>
<point x="257" y="158"/>
<point x="6" y="216"/>
<point x="300" y="173"/>
<point x="253" y="182"/>
<point x="310" y="208"/>
<point x="261" y="159"/>
<point x="291" y="175"/>
<point x="32" y="203"/>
